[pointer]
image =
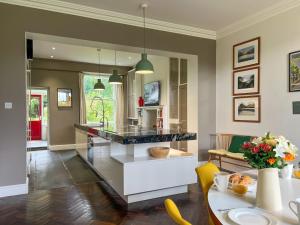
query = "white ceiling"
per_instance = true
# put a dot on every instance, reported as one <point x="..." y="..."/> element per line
<point x="76" y="53"/>
<point x="205" y="14"/>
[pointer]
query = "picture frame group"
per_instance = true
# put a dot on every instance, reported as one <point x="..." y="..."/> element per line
<point x="246" y="81"/>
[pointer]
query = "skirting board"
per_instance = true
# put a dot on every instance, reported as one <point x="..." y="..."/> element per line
<point x="11" y="190"/>
<point x="62" y="147"/>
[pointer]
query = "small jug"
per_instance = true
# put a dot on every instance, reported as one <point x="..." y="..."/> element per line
<point x="221" y="181"/>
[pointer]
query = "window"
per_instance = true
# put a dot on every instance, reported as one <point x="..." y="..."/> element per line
<point x="94" y="105"/>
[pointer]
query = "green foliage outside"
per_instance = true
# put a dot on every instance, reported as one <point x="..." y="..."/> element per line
<point x="94" y="108"/>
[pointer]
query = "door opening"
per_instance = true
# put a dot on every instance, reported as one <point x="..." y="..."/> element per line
<point x="38" y="119"/>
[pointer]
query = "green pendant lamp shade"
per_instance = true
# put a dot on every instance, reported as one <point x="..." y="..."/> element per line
<point x="115" y="78"/>
<point x="144" y="66"/>
<point x="99" y="85"/>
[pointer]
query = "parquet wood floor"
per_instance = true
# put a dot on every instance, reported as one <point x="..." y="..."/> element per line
<point x="63" y="190"/>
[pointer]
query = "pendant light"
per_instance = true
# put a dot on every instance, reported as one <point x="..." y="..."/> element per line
<point x="144" y="66"/>
<point x="115" y="78"/>
<point x="99" y="85"/>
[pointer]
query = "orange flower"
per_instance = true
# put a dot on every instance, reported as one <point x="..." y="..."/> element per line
<point x="289" y="157"/>
<point x="271" y="161"/>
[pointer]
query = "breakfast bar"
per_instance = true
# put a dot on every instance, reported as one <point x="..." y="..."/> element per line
<point x="121" y="157"/>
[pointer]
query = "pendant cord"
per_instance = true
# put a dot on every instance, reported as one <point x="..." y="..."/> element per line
<point x="99" y="66"/>
<point x="144" y="15"/>
<point x="115" y="58"/>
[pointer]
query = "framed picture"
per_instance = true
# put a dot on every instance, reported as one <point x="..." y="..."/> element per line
<point x="246" y="81"/>
<point x="246" y="109"/>
<point x="246" y="54"/>
<point x="64" y="97"/>
<point x="294" y="71"/>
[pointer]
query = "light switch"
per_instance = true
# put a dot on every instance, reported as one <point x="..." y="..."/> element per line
<point x="8" y="105"/>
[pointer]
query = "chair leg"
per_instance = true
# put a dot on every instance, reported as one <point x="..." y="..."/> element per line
<point x="209" y="157"/>
<point x="220" y="162"/>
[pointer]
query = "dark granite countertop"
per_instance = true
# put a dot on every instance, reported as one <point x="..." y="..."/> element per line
<point x="135" y="135"/>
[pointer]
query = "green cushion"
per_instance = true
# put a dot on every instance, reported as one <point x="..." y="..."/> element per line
<point x="237" y="142"/>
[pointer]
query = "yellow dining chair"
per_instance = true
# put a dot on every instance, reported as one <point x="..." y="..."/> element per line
<point x="206" y="174"/>
<point x="174" y="213"/>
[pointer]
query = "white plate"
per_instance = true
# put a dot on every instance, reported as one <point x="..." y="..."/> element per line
<point x="245" y="216"/>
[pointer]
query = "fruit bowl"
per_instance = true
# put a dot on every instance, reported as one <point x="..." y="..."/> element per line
<point x="159" y="152"/>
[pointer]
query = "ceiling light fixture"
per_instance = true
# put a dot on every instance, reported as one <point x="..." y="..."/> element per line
<point x="53" y="48"/>
<point x="115" y="78"/>
<point x="144" y="66"/>
<point x="99" y="85"/>
<point x="52" y="56"/>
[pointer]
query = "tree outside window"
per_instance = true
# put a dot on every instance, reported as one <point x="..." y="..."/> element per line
<point x="94" y="107"/>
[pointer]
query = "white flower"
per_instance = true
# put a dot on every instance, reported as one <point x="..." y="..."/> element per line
<point x="284" y="146"/>
<point x="257" y="141"/>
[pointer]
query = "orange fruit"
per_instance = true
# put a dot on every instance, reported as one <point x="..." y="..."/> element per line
<point x="239" y="189"/>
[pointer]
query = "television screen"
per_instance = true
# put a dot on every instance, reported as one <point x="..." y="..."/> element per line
<point x="152" y="93"/>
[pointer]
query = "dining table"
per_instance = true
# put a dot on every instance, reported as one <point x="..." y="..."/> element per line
<point x="221" y="203"/>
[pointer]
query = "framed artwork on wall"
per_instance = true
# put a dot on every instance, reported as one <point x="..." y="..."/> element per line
<point x="294" y="71"/>
<point x="246" y="81"/>
<point x="64" y="98"/>
<point x="246" y="54"/>
<point x="246" y="109"/>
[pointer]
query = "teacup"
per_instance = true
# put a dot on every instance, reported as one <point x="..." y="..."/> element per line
<point x="221" y="181"/>
<point x="297" y="210"/>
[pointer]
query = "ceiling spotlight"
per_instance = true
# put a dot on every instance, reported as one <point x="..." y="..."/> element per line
<point x="52" y="56"/>
<point x="53" y="48"/>
<point x="129" y="57"/>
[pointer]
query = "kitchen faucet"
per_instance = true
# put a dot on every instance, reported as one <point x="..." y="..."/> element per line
<point x="102" y="123"/>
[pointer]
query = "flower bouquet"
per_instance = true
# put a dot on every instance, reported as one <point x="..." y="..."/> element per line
<point x="268" y="154"/>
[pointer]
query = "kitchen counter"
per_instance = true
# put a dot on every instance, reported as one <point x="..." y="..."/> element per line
<point x="121" y="157"/>
<point x="136" y="135"/>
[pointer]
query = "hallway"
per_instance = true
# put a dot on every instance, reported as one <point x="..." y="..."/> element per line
<point x="75" y="195"/>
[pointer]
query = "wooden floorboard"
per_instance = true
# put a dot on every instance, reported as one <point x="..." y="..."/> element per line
<point x="63" y="190"/>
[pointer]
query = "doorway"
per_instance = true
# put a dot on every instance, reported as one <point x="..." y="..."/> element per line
<point x="38" y="119"/>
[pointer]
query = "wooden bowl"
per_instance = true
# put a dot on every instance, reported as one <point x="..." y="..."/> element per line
<point x="159" y="152"/>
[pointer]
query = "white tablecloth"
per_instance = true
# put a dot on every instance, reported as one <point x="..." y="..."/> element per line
<point x="290" y="190"/>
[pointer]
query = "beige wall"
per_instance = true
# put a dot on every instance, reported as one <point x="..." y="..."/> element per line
<point x="53" y="74"/>
<point x="16" y="20"/>
<point x="279" y="36"/>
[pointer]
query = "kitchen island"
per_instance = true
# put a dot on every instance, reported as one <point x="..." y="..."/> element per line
<point x="122" y="159"/>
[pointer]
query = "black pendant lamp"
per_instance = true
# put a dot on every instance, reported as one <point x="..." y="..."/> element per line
<point x="99" y="85"/>
<point x="115" y="78"/>
<point x="144" y="66"/>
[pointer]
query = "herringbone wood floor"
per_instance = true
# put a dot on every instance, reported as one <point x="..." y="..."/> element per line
<point x="63" y="190"/>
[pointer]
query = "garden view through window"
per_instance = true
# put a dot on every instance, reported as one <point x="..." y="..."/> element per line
<point x="94" y="107"/>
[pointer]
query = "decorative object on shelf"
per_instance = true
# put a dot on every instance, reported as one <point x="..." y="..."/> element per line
<point x="159" y="152"/>
<point x="144" y="66"/>
<point x="246" y="54"/>
<point x="246" y="109"/>
<point x="294" y="71"/>
<point x="115" y="78"/>
<point x="99" y="85"/>
<point x="141" y="101"/>
<point x="246" y="81"/>
<point x="64" y="98"/>
<point x="268" y="154"/>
